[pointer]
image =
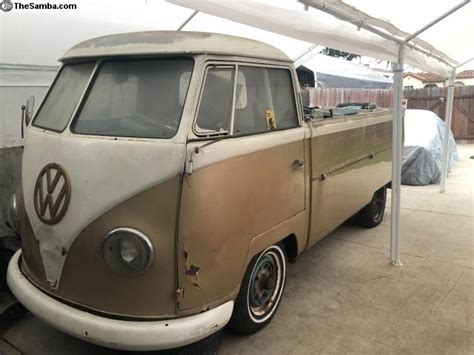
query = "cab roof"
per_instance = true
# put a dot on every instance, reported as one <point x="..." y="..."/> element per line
<point x="172" y="42"/>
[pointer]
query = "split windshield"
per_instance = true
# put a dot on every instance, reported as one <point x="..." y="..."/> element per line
<point x="140" y="98"/>
<point x="63" y="97"/>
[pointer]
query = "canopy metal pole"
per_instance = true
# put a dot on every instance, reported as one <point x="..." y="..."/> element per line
<point x="195" y="12"/>
<point x="449" y="116"/>
<point x="447" y="131"/>
<point x="397" y="142"/>
<point x="334" y="11"/>
<point x="397" y="124"/>
<point x="436" y="20"/>
<point x="397" y="137"/>
<point x="298" y="60"/>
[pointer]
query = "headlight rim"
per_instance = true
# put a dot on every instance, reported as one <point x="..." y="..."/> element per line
<point x="142" y="237"/>
<point x="12" y="220"/>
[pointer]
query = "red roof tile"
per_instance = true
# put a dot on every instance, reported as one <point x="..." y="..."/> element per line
<point x="465" y="74"/>
<point x="426" y="77"/>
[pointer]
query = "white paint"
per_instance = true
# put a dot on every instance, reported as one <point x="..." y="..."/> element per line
<point x="113" y="333"/>
<point x="164" y="42"/>
<point x="103" y="172"/>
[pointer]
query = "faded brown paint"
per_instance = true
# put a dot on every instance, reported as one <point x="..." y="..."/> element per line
<point x="347" y="168"/>
<point x="226" y="205"/>
<point x="86" y="279"/>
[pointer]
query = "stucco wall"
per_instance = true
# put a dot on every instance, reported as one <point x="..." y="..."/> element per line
<point x="418" y="84"/>
<point x="411" y="81"/>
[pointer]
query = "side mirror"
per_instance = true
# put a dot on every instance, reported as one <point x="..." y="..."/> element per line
<point x="29" y="109"/>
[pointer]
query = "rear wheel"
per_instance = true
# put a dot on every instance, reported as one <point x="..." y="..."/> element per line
<point x="372" y="214"/>
<point x="260" y="292"/>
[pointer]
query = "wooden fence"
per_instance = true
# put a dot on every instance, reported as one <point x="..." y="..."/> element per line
<point x="433" y="99"/>
<point x="332" y="97"/>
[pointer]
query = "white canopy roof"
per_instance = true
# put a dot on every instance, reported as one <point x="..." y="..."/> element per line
<point x="51" y="33"/>
<point x="289" y="18"/>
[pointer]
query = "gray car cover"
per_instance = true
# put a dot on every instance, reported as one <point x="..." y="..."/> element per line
<point x="423" y="148"/>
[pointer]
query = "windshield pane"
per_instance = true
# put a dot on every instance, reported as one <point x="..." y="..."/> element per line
<point x="63" y="97"/>
<point x="139" y="98"/>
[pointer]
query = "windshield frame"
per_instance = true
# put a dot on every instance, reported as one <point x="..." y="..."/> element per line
<point x="96" y="72"/>
<point x="79" y="102"/>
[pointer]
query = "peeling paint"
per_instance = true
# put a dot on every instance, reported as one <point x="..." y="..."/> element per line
<point x="192" y="271"/>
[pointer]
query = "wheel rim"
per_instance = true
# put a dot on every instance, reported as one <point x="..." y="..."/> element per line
<point x="266" y="284"/>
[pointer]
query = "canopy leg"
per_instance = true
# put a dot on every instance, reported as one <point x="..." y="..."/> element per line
<point x="449" y="115"/>
<point x="397" y="138"/>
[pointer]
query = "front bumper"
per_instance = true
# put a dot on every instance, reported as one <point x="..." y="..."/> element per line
<point x="113" y="333"/>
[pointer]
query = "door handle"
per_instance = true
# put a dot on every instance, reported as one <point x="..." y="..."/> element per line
<point x="298" y="163"/>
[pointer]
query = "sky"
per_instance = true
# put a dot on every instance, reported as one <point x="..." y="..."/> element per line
<point x="42" y="36"/>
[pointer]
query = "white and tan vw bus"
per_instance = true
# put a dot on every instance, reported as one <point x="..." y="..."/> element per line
<point x="167" y="179"/>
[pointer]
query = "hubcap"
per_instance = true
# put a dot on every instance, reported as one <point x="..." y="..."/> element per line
<point x="265" y="284"/>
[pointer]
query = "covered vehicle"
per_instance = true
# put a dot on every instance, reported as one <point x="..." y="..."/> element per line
<point x="423" y="148"/>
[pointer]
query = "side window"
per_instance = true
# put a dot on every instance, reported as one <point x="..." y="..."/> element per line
<point x="251" y="117"/>
<point x="215" y="108"/>
<point x="270" y="101"/>
<point x="283" y="98"/>
<point x="264" y="101"/>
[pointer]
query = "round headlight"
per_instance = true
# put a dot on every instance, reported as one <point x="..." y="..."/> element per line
<point x="127" y="250"/>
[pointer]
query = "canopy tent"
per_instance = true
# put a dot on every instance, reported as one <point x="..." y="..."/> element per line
<point x="288" y="18"/>
<point x="333" y="72"/>
<point x="342" y="26"/>
<point x="51" y="33"/>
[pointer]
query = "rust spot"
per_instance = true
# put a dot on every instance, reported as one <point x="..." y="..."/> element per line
<point x="192" y="271"/>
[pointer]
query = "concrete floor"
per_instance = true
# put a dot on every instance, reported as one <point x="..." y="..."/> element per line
<point x="343" y="296"/>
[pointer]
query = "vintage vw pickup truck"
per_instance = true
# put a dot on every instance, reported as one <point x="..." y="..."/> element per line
<point x="168" y="178"/>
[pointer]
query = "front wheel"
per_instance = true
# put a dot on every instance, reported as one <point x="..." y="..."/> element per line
<point x="372" y="214"/>
<point x="260" y="292"/>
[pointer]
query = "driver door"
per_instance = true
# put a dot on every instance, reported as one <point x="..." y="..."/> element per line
<point x="241" y="178"/>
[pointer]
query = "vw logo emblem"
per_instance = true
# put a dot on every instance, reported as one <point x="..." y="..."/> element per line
<point x="52" y="193"/>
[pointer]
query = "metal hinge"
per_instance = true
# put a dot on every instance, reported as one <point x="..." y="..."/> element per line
<point x="179" y="294"/>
